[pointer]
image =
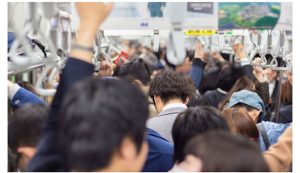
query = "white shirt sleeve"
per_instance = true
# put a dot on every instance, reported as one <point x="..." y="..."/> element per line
<point x="12" y="91"/>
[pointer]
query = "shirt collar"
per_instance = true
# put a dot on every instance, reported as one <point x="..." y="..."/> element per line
<point x="221" y="91"/>
<point x="174" y="105"/>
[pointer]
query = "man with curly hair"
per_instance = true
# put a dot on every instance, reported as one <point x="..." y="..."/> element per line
<point x="170" y="92"/>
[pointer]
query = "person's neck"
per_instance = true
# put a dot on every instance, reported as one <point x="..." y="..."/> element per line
<point x="113" y="167"/>
<point x="174" y="101"/>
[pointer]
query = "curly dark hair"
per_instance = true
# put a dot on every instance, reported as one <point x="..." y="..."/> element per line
<point x="169" y="85"/>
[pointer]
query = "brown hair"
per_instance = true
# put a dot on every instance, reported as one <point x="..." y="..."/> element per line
<point x="240" y="122"/>
<point x="286" y="93"/>
<point x="242" y="83"/>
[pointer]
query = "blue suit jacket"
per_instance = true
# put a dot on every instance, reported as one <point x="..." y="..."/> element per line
<point x="160" y="156"/>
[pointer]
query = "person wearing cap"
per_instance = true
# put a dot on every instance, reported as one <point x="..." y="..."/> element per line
<point x="269" y="132"/>
<point x="250" y="101"/>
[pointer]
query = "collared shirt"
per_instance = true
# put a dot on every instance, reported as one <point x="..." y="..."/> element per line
<point x="174" y="105"/>
<point x="271" y="87"/>
<point x="221" y="91"/>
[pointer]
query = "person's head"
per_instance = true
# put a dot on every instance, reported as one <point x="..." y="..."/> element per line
<point x="228" y="76"/>
<point x="196" y="100"/>
<point x="242" y="83"/>
<point x="103" y="124"/>
<point x="287" y="93"/>
<point x="271" y="75"/>
<point x="220" y="151"/>
<point x="240" y="122"/>
<point x="194" y="121"/>
<point x="170" y="87"/>
<point x="25" y="127"/>
<point x="248" y="100"/>
<point x="12" y="165"/>
<point x="209" y="84"/>
<point x="134" y="48"/>
<point x="136" y="72"/>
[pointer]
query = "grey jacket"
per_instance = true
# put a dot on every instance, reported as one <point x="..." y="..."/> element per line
<point x="164" y="121"/>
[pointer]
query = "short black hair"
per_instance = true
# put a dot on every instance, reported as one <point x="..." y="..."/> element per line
<point x="194" y="121"/>
<point x="208" y="75"/>
<point x="221" y="151"/>
<point x="97" y="115"/>
<point x="135" y="69"/>
<point x="228" y="76"/>
<point x="25" y="126"/>
<point x="169" y="85"/>
<point x="12" y="161"/>
<point x="196" y="100"/>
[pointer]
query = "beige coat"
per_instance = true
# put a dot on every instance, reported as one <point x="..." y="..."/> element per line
<point x="279" y="155"/>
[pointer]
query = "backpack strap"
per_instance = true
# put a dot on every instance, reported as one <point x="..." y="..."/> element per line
<point x="264" y="135"/>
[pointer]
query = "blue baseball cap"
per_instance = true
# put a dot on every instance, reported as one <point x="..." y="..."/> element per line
<point x="248" y="98"/>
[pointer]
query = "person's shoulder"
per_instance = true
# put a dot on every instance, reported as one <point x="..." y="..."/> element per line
<point x="271" y="126"/>
<point x="210" y="92"/>
<point x="157" y="143"/>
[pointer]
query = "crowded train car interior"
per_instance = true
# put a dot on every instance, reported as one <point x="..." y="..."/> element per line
<point x="150" y="86"/>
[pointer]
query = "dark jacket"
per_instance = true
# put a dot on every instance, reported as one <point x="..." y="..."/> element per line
<point x="160" y="156"/>
<point x="286" y="114"/>
<point x="48" y="157"/>
<point x="213" y="97"/>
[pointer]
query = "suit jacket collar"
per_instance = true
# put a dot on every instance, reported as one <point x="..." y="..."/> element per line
<point x="171" y="111"/>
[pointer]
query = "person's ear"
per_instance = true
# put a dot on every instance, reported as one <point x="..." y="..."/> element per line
<point x="157" y="100"/>
<point x="257" y="115"/>
<point x="28" y="152"/>
<point x="131" y="157"/>
<point x="137" y="83"/>
<point x="127" y="149"/>
<point x="187" y="100"/>
<point x="191" y="163"/>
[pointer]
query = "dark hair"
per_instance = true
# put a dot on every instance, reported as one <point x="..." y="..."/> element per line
<point x="221" y="151"/>
<point x="97" y="115"/>
<point x="240" y="122"/>
<point x="28" y="86"/>
<point x="228" y="76"/>
<point x="210" y="84"/>
<point x="135" y="69"/>
<point x="242" y="83"/>
<point x="194" y="121"/>
<point x="262" y="89"/>
<point x="169" y="85"/>
<point x="25" y="126"/>
<point x="197" y="100"/>
<point x="287" y="93"/>
<point x="12" y="161"/>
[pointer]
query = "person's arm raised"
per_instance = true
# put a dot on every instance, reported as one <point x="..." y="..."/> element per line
<point x="196" y="72"/>
<point x="78" y="67"/>
<point x="91" y="15"/>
